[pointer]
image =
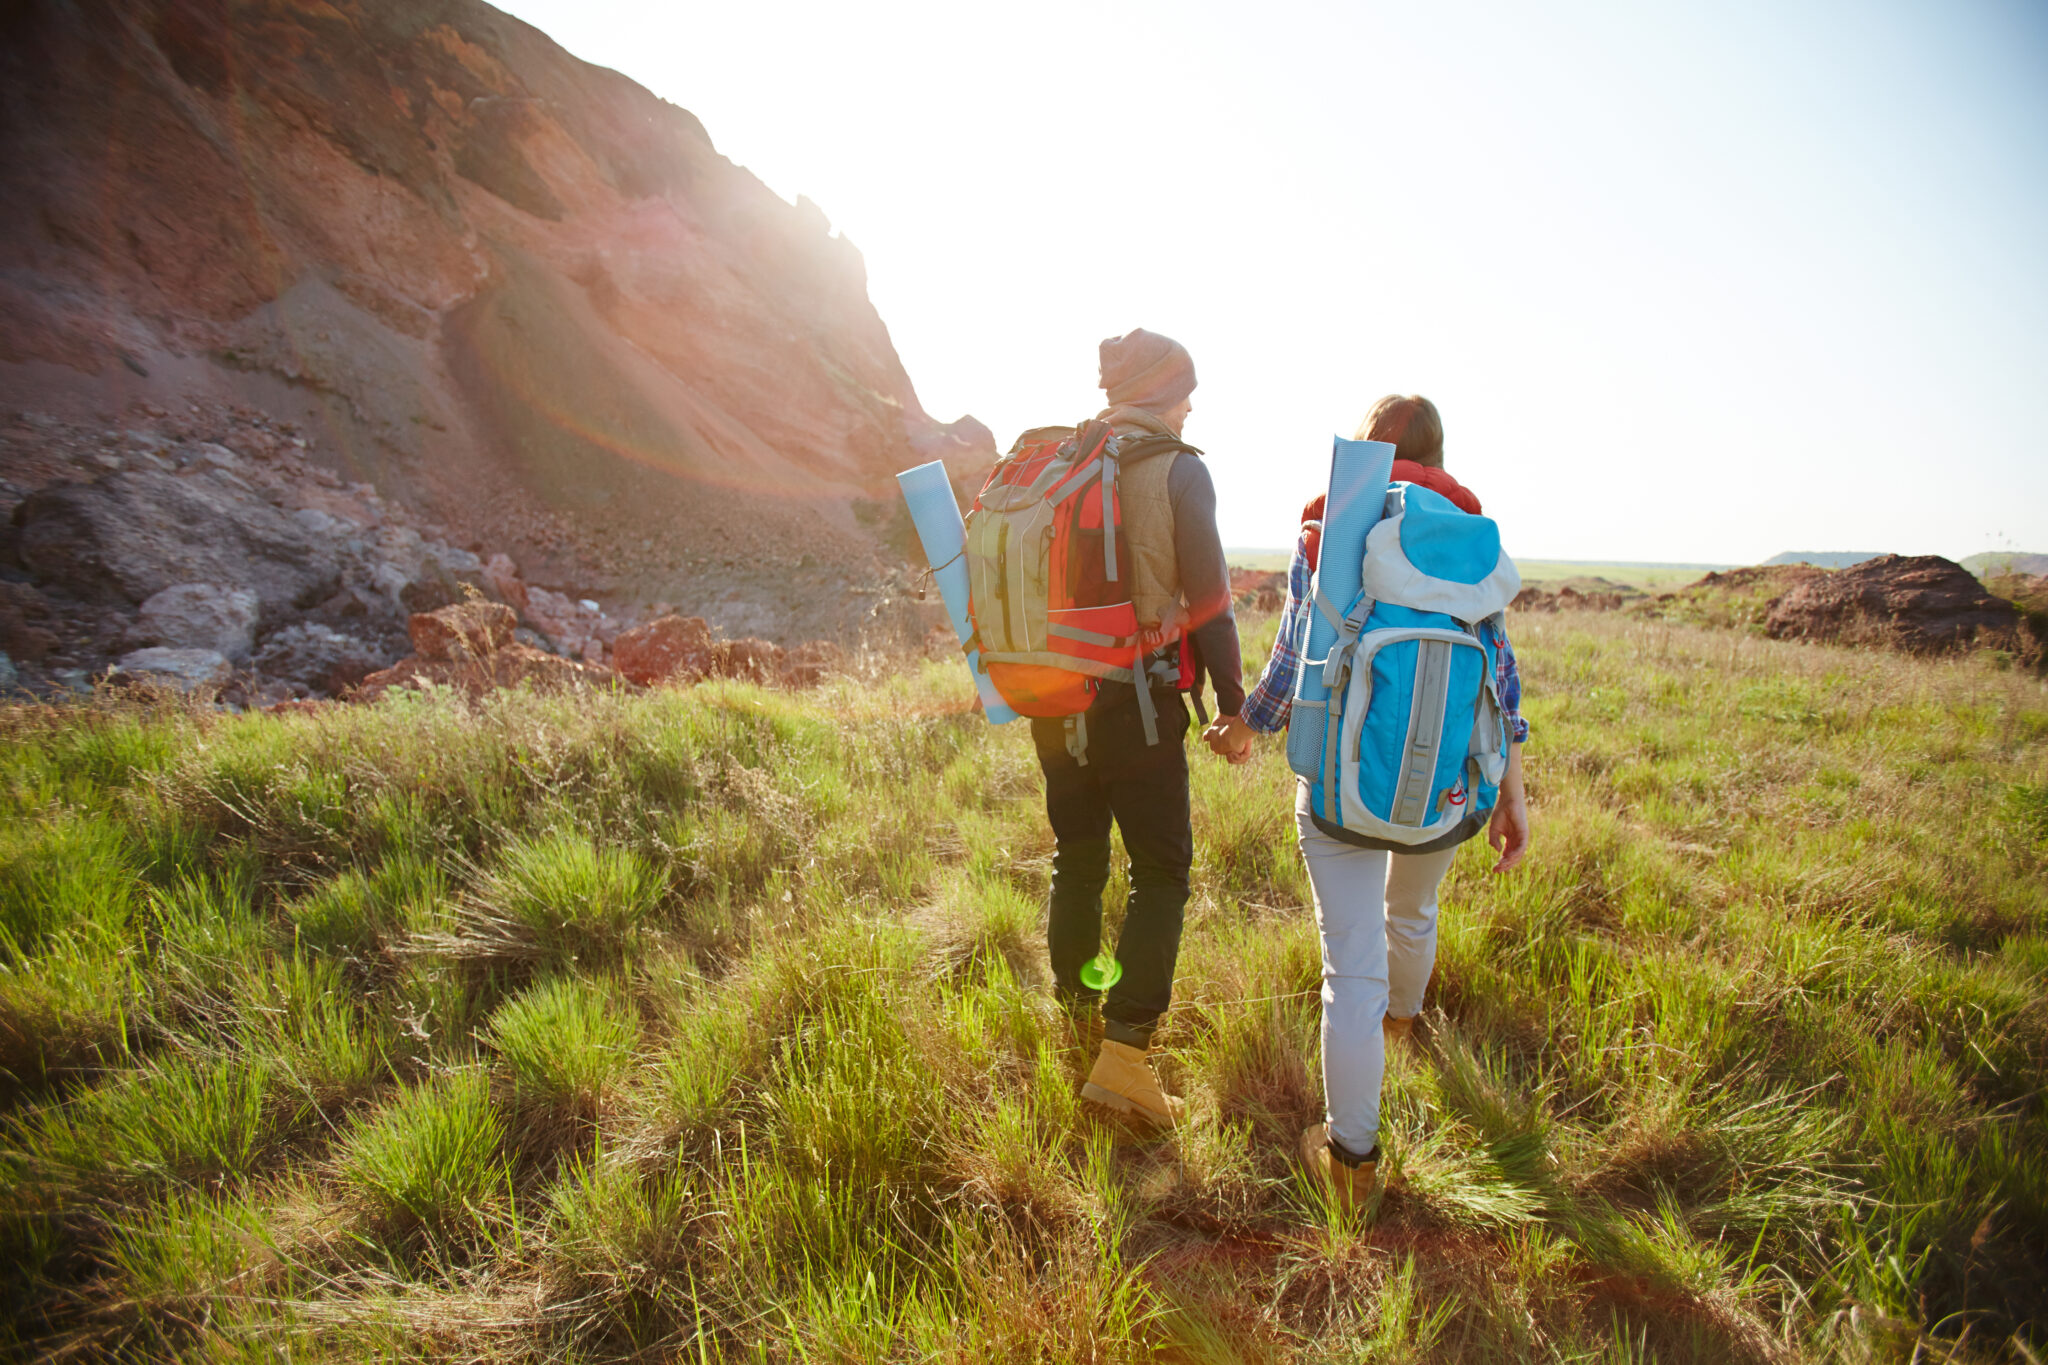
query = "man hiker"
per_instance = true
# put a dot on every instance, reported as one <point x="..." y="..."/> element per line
<point x="1180" y="585"/>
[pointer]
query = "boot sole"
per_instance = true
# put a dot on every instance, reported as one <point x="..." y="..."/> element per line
<point x="1109" y="1099"/>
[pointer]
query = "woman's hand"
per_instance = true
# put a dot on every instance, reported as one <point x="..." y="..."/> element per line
<point x="1228" y="737"/>
<point x="1508" y="830"/>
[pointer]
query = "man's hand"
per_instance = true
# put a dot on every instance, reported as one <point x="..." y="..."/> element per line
<point x="1508" y="830"/>
<point x="1228" y="737"/>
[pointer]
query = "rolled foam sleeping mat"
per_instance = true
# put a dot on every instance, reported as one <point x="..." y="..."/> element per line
<point x="1359" y="474"/>
<point x="929" y="495"/>
<point x="1357" y="498"/>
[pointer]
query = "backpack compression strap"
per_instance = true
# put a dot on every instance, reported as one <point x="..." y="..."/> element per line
<point x="1095" y="440"/>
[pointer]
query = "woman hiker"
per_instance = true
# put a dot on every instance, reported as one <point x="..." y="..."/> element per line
<point x="1375" y="911"/>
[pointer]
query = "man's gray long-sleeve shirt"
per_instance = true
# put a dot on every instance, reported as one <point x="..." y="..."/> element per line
<point x="1205" y="579"/>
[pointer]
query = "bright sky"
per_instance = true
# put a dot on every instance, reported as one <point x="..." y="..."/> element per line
<point x="1689" y="283"/>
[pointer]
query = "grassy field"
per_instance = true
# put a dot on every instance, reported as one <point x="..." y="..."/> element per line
<point x="1647" y="577"/>
<point x="714" y="1025"/>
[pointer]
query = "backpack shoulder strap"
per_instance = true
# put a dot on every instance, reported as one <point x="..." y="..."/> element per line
<point x="1145" y="445"/>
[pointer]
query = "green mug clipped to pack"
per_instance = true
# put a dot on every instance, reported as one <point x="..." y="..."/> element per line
<point x="1101" y="972"/>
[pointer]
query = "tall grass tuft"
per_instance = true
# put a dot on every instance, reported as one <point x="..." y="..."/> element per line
<point x="429" y="1157"/>
<point x="565" y="1042"/>
<point x="559" y="898"/>
<point x="177" y="1121"/>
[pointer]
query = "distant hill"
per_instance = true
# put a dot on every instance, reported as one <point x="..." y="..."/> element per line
<point x="1824" y="559"/>
<point x="1585" y="574"/>
<point x="2006" y="561"/>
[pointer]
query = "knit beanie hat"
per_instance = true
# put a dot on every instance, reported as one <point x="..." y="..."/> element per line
<point x="1143" y="369"/>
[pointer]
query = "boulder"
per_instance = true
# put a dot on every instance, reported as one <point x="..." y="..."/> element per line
<point x="1922" y="604"/>
<point x="459" y="633"/>
<point x="129" y="536"/>
<point x="316" y="658"/>
<point x="320" y="524"/>
<point x="187" y="670"/>
<point x="202" y="616"/>
<point x="667" y="649"/>
<point x="353" y="605"/>
<point x="748" y="660"/>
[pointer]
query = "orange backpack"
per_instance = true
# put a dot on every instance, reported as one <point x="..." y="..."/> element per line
<point x="1048" y="573"/>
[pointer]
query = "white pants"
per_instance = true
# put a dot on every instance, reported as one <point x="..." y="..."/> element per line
<point x="1376" y="916"/>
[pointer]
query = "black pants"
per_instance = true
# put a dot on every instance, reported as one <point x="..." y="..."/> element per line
<point x="1144" y="790"/>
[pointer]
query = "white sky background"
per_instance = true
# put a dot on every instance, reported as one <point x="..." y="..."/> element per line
<point x="1689" y="283"/>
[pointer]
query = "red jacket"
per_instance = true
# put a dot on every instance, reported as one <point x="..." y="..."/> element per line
<point x="1405" y="471"/>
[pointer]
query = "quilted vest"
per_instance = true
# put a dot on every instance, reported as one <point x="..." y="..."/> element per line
<point x="1148" y="530"/>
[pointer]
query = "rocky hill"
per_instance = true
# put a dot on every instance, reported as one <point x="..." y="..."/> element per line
<point x="516" y="296"/>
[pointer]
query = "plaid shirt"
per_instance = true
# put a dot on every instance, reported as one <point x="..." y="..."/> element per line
<point x="1266" y="705"/>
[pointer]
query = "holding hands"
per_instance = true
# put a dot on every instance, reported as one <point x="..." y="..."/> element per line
<point x="1228" y="737"/>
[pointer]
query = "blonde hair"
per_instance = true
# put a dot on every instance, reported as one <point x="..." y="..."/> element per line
<point x="1411" y="424"/>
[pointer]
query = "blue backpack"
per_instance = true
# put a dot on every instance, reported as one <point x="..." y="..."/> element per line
<point x="1407" y="749"/>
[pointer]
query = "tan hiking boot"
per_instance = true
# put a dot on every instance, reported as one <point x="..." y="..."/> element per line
<point x="1401" y="1031"/>
<point x="1122" y="1080"/>
<point x="1351" y="1185"/>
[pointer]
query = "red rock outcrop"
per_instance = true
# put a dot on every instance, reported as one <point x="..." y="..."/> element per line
<point x="1261" y="589"/>
<point x="758" y="661"/>
<point x="668" y="649"/>
<point x="513" y="290"/>
<point x="472" y="630"/>
<point x="470" y="647"/>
